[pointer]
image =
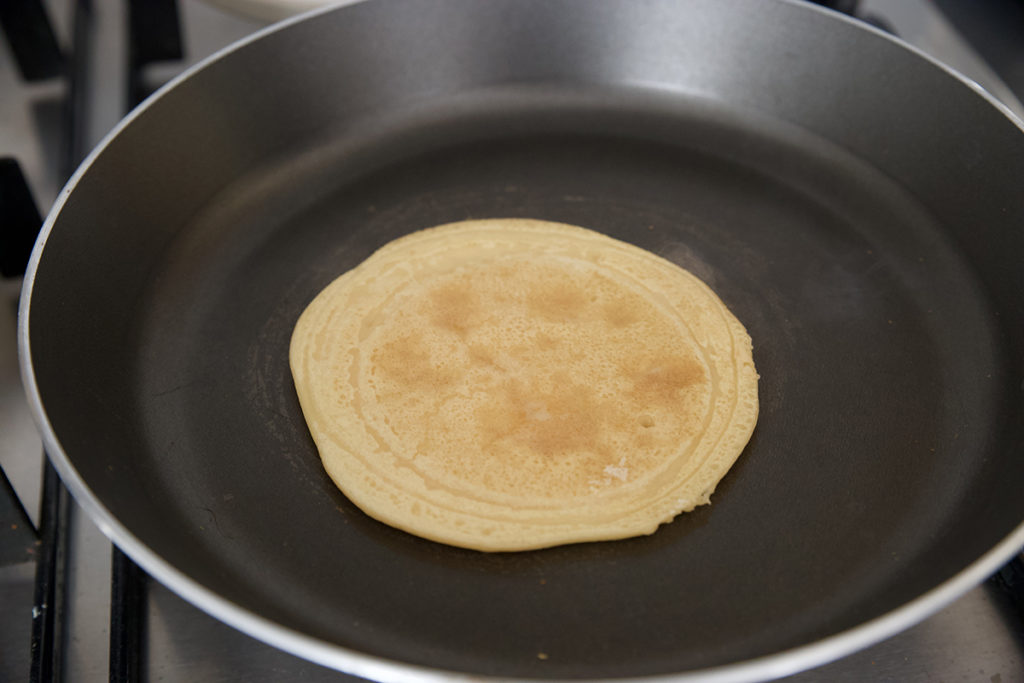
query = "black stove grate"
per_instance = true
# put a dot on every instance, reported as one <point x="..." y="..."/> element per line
<point x="128" y="586"/>
<point x="48" y="608"/>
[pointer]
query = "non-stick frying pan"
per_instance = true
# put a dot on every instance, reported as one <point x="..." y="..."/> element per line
<point x="857" y="206"/>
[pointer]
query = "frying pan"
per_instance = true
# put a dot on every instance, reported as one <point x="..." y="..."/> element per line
<point x="856" y="205"/>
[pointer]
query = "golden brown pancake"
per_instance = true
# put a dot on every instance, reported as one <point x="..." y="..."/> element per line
<point x="513" y="384"/>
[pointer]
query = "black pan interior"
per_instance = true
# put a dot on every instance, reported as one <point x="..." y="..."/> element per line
<point x="882" y="462"/>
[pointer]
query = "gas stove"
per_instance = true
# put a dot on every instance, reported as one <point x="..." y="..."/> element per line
<point x="79" y="610"/>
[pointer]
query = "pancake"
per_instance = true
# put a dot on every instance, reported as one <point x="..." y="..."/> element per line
<point x="512" y="384"/>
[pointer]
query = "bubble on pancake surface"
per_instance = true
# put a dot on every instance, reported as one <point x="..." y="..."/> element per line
<point x="513" y="384"/>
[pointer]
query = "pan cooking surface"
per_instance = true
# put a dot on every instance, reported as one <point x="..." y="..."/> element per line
<point x="879" y="365"/>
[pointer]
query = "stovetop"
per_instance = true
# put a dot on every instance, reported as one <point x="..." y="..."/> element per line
<point x="980" y="637"/>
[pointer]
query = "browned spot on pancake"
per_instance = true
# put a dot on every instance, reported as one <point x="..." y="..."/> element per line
<point x="546" y="342"/>
<point x="566" y="418"/>
<point x="499" y="418"/>
<point x="556" y="297"/>
<point x="621" y="312"/>
<point x="660" y="381"/>
<point x="408" y="364"/>
<point x="481" y="355"/>
<point x="453" y="307"/>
